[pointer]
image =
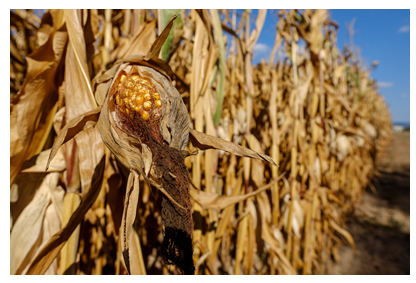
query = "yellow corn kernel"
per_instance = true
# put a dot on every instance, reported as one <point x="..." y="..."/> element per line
<point x="139" y="100"/>
<point x="137" y="95"/>
<point x="145" y="115"/>
<point x="135" y="78"/>
<point x="138" y="108"/>
<point x="158" y="103"/>
<point x="132" y="104"/>
<point x="147" y="97"/>
<point x="147" y="105"/>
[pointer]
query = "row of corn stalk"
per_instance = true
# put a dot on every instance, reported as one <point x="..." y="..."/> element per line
<point x="313" y="109"/>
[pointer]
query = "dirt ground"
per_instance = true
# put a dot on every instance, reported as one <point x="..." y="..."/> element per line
<point x="380" y="224"/>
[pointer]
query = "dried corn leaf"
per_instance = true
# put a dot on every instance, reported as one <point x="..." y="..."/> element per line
<point x="214" y="201"/>
<point x="138" y="266"/>
<point x="38" y="163"/>
<point x="26" y="234"/>
<point x="69" y="250"/>
<point x="51" y="250"/>
<point x="241" y="243"/>
<point x="221" y="66"/>
<point x="203" y="142"/>
<point x="267" y="235"/>
<point x="251" y="242"/>
<point x="343" y="232"/>
<point x="71" y="129"/>
<point x="32" y="110"/>
<point x="141" y="43"/>
<point x="76" y="67"/>
<point x="129" y="215"/>
<point x="157" y="45"/>
<point x="257" y="167"/>
<point x="90" y="152"/>
<point x="52" y="223"/>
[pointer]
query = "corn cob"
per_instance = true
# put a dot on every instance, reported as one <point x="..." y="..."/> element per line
<point x="136" y="95"/>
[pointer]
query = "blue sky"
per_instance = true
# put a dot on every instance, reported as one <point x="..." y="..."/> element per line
<point x="382" y="35"/>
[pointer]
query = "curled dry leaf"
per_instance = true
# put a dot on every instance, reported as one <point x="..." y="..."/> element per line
<point x="71" y="129"/>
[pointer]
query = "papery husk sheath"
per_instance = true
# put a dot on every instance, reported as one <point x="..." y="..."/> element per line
<point x="153" y="149"/>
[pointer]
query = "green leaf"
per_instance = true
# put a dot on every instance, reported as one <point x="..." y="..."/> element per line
<point x="164" y="16"/>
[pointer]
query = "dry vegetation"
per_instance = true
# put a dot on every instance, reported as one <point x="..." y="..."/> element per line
<point x="314" y="110"/>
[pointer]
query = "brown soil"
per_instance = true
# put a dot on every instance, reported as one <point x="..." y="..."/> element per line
<point x="380" y="224"/>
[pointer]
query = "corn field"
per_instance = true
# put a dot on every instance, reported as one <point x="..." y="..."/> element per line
<point x="257" y="166"/>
